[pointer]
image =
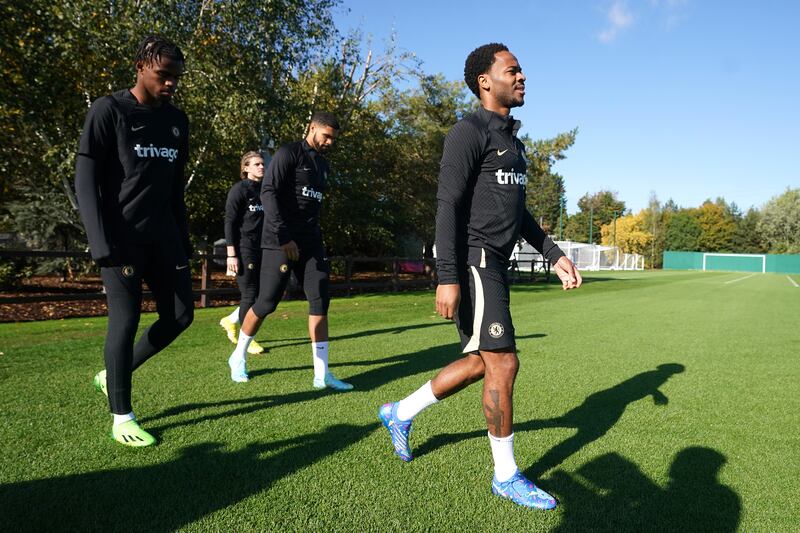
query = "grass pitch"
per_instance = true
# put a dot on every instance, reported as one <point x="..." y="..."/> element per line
<point x="646" y="401"/>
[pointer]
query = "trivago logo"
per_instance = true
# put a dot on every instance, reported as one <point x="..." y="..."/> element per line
<point x="311" y="193"/>
<point x="170" y="154"/>
<point x="512" y="178"/>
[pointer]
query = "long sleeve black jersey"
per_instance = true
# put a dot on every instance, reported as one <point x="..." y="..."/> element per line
<point x="244" y="215"/>
<point x="481" y="197"/>
<point x="129" y="178"/>
<point x="291" y="193"/>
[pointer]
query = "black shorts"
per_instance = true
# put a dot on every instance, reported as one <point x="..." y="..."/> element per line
<point x="311" y="270"/>
<point x="484" y="317"/>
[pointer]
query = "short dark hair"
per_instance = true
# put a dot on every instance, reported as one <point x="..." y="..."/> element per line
<point x="325" y="119"/>
<point x="154" y="47"/>
<point x="479" y="61"/>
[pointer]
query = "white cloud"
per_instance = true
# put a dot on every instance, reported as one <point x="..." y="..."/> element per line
<point x="619" y="17"/>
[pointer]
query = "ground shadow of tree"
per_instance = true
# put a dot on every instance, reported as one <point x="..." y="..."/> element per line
<point x="611" y="494"/>
<point x="166" y="496"/>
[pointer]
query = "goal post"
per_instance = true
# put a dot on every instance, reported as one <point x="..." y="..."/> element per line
<point x="735" y="262"/>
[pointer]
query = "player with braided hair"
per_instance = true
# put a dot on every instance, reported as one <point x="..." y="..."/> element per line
<point x="129" y="182"/>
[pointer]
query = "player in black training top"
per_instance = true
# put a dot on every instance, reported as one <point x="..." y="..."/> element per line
<point x="244" y="219"/>
<point x="129" y="182"/>
<point x="291" y="193"/>
<point x="481" y="214"/>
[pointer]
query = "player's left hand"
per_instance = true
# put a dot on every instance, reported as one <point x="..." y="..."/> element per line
<point x="568" y="273"/>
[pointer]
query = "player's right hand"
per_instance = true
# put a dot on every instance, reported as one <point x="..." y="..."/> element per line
<point x="291" y="250"/>
<point x="232" y="265"/>
<point x="447" y="300"/>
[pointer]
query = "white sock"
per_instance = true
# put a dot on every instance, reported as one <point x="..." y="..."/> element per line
<point x="503" y="454"/>
<point x="241" y="347"/>
<point x="319" y="353"/>
<point x="418" y="400"/>
<point x="121" y="419"/>
<point x="234" y="316"/>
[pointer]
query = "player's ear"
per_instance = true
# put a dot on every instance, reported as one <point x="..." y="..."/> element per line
<point x="483" y="81"/>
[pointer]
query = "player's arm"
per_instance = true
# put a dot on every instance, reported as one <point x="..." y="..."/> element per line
<point x="178" y="194"/>
<point x="565" y="269"/>
<point x="273" y="185"/>
<point x="234" y="212"/>
<point x="462" y="152"/>
<point x="98" y="138"/>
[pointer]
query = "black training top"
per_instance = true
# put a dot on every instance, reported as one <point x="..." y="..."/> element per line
<point x="291" y="193"/>
<point x="481" y="197"/>
<point x="129" y="178"/>
<point x="244" y="215"/>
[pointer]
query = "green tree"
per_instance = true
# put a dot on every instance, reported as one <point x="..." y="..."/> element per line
<point x="242" y="60"/>
<point x="597" y="209"/>
<point x="545" y="191"/>
<point x="682" y="231"/>
<point x="780" y="223"/>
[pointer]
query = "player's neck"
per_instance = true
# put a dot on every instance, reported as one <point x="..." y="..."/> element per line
<point x="495" y="107"/>
<point x="143" y="97"/>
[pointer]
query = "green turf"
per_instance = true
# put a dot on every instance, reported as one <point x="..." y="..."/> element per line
<point x="623" y="444"/>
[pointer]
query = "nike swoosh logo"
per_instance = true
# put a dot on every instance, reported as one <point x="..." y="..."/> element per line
<point x="305" y="169"/>
<point x="181" y="267"/>
<point x="135" y="128"/>
<point x="501" y="152"/>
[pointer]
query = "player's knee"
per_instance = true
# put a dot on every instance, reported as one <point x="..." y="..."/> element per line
<point x="184" y="320"/>
<point x="263" y="307"/>
<point x="503" y="362"/>
<point x="476" y="369"/>
<point x="318" y="305"/>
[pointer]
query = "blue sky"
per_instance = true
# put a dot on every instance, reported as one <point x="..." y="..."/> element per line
<point x="689" y="99"/>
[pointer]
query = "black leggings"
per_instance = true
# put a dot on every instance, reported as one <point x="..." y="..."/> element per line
<point x="248" y="279"/>
<point x="311" y="271"/>
<point x="166" y="271"/>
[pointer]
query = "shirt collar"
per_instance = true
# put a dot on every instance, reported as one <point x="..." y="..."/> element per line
<point x="497" y="121"/>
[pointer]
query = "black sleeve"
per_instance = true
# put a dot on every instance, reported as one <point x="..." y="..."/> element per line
<point x="178" y="193"/>
<point x="536" y="237"/>
<point x="463" y="147"/>
<point x="234" y="211"/>
<point x="98" y="139"/>
<point x="275" y="180"/>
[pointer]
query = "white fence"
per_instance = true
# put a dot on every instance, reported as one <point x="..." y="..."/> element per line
<point x="585" y="256"/>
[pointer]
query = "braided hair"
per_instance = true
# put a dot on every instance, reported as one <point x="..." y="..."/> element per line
<point x="155" y="47"/>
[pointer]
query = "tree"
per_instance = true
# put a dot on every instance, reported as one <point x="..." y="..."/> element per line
<point x="597" y="210"/>
<point x="717" y="226"/>
<point x="780" y="223"/>
<point x="655" y="221"/>
<point x="682" y="231"/>
<point x="747" y="238"/>
<point x="60" y="56"/>
<point x="545" y="191"/>
<point x="629" y="233"/>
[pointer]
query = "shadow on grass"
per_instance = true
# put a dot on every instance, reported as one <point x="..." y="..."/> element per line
<point x="170" y="495"/>
<point x="593" y="418"/>
<point x="298" y="341"/>
<point x="386" y="370"/>
<point x="610" y="493"/>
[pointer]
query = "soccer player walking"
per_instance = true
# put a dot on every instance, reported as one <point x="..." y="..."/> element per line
<point x="291" y="193"/>
<point x="129" y="182"/>
<point x="244" y="219"/>
<point x="481" y="213"/>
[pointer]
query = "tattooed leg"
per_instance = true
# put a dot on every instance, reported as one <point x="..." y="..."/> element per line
<point x="498" y="391"/>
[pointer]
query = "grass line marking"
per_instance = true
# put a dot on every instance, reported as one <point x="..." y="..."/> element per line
<point x="793" y="281"/>
<point x="739" y="279"/>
